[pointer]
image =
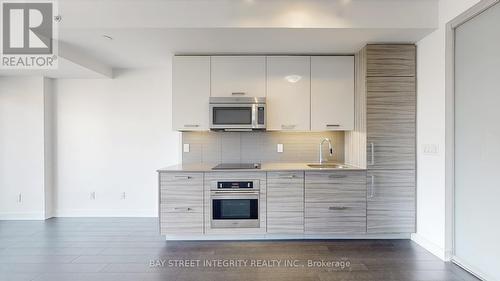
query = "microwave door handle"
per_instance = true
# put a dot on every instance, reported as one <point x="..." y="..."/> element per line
<point x="254" y="115"/>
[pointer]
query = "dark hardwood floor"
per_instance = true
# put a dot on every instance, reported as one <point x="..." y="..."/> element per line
<point x="123" y="249"/>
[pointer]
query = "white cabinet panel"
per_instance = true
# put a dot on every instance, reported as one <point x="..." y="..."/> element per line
<point x="332" y="93"/>
<point x="238" y="76"/>
<point x="288" y="93"/>
<point x="190" y="93"/>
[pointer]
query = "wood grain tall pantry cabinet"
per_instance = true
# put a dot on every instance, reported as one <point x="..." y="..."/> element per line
<point x="391" y="137"/>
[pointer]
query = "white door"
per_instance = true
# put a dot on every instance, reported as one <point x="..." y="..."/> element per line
<point x="332" y="93"/>
<point x="238" y="76"/>
<point x="288" y="93"/>
<point x="190" y="93"/>
<point x="477" y="139"/>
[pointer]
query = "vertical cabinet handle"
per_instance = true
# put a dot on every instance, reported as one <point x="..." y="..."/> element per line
<point x="372" y="152"/>
<point x="371" y="194"/>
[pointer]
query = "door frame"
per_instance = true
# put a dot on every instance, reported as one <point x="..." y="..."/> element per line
<point x="469" y="14"/>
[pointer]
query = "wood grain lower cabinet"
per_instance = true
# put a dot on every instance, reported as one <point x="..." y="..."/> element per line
<point x="391" y="201"/>
<point x="181" y="203"/>
<point x="335" y="202"/>
<point x="285" y="202"/>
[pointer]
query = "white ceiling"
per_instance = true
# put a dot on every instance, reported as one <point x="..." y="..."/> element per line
<point x="152" y="47"/>
<point x="147" y="32"/>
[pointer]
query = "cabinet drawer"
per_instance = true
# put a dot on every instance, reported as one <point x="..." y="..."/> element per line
<point x="336" y="177"/>
<point x="180" y="179"/>
<point x="182" y="199"/>
<point x="285" y="177"/>
<point x="327" y="193"/>
<point x="285" y="222"/>
<point x="335" y="209"/>
<point x="181" y="223"/>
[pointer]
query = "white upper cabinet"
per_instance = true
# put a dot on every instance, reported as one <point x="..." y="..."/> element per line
<point x="233" y="76"/>
<point x="332" y="93"/>
<point x="190" y="93"/>
<point x="288" y="93"/>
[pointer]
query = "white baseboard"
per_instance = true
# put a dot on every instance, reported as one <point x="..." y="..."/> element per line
<point x="138" y="213"/>
<point x="22" y="216"/>
<point x="431" y="247"/>
<point x="471" y="269"/>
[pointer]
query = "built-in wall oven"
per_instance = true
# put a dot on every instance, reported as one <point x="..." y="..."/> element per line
<point x="235" y="204"/>
<point x="237" y="113"/>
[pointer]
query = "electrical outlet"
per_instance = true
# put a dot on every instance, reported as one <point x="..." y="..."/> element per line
<point x="186" y="147"/>
<point x="279" y="148"/>
<point x="92" y="195"/>
<point x="430" y="148"/>
<point x="124" y="196"/>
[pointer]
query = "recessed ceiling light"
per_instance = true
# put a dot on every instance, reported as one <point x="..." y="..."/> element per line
<point x="107" y="37"/>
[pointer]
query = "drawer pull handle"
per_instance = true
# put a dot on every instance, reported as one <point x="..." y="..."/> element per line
<point x="191" y="126"/>
<point x="183" y="177"/>
<point x="332" y="125"/>
<point x="238" y="94"/>
<point x="337" y="176"/>
<point x="289" y="177"/>
<point x="183" y="209"/>
<point x="335" y="208"/>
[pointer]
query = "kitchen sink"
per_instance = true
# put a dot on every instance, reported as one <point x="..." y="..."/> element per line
<point x="327" y="165"/>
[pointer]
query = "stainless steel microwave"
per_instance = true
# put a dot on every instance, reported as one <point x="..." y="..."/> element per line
<point x="237" y="113"/>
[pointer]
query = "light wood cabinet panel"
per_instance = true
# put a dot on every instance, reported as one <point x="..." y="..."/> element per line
<point x="190" y="93"/>
<point x="391" y="60"/>
<point x="285" y="202"/>
<point x="391" y="124"/>
<point x="335" y="202"/>
<point x="238" y="76"/>
<point x="181" y="223"/>
<point x="332" y="93"/>
<point x="288" y="93"/>
<point x="391" y="201"/>
<point x="181" y="203"/>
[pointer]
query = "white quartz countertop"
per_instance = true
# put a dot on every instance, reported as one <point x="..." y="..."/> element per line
<point x="265" y="167"/>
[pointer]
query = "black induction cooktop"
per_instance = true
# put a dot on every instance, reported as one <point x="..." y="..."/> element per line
<point x="237" y="166"/>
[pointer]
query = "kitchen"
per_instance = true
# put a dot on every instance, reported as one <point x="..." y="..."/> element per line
<point x="308" y="103"/>
<point x="249" y="140"/>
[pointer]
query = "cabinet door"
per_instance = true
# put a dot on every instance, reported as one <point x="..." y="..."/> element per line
<point x="181" y="203"/>
<point x="391" y="122"/>
<point x="190" y="93"/>
<point x="391" y="60"/>
<point x="288" y="93"/>
<point x="391" y="201"/>
<point x="335" y="202"/>
<point x="332" y="93"/>
<point x="238" y="76"/>
<point x="285" y="202"/>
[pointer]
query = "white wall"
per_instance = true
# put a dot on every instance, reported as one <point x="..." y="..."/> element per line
<point x="112" y="135"/>
<point x="22" y="148"/>
<point x="431" y="208"/>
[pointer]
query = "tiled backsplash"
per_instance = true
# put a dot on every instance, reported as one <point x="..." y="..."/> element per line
<point x="249" y="147"/>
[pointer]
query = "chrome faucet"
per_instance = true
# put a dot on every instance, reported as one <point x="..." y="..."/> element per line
<point x="330" y="147"/>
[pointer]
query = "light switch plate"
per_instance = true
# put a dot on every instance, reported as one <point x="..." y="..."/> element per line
<point x="186" y="147"/>
<point x="430" y="148"/>
<point x="279" y="148"/>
